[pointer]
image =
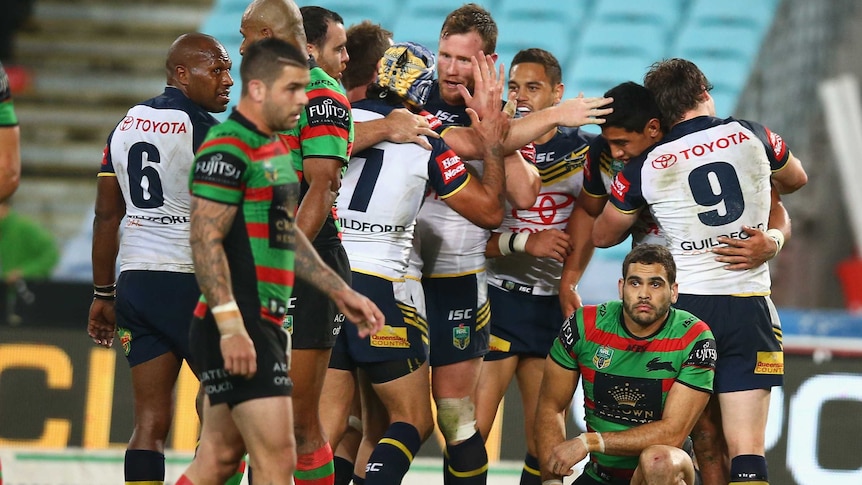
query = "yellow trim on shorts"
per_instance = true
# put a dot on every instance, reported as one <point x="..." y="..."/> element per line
<point x="111" y="174"/>
<point x="456" y="275"/>
<point x="483" y="315"/>
<point x="378" y="275"/>
<point x="397" y="444"/>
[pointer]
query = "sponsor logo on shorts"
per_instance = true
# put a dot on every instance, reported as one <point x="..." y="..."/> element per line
<point x="603" y="357"/>
<point x="496" y="344"/>
<point x="125" y="339"/>
<point x="461" y="337"/>
<point x="770" y="363"/>
<point x="391" y="338"/>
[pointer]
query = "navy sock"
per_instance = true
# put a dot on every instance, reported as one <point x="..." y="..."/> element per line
<point x="358" y="480"/>
<point x="144" y="466"/>
<point x="468" y="461"/>
<point x="748" y="469"/>
<point x="393" y="454"/>
<point x="343" y="470"/>
<point x="530" y="473"/>
<point x="447" y="477"/>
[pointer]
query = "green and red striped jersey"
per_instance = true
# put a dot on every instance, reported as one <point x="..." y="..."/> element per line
<point x="325" y="130"/>
<point x="7" y="111"/>
<point x="626" y="378"/>
<point x="238" y="165"/>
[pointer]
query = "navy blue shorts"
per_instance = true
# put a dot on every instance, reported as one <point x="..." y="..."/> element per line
<point x="312" y="318"/>
<point x="399" y="348"/>
<point x="748" y="336"/>
<point x="272" y="344"/>
<point x="459" y="315"/>
<point x="523" y="324"/>
<point x="154" y="309"/>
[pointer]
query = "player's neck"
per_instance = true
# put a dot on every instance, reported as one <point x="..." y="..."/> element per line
<point x="641" y="331"/>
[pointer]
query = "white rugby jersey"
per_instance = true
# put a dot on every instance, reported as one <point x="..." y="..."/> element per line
<point x="151" y="153"/>
<point x="599" y="174"/>
<point x="381" y="193"/>
<point x="561" y="163"/>
<point x="707" y="178"/>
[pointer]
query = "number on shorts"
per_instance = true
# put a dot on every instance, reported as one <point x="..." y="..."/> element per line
<point x="145" y="186"/>
<point x="717" y="185"/>
<point x="367" y="179"/>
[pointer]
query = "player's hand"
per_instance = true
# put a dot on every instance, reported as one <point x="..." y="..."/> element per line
<point x="570" y="299"/>
<point x="487" y="86"/>
<point x="492" y="131"/>
<point x="550" y="243"/>
<point x="406" y="127"/>
<point x="360" y="310"/>
<point x="102" y="322"/>
<point x="240" y="358"/>
<point x="566" y="455"/>
<point x="582" y="111"/>
<point x="741" y="254"/>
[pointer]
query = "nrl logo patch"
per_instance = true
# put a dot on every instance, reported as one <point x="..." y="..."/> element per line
<point x="287" y="323"/>
<point x="603" y="357"/>
<point x="461" y="337"/>
<point x="270" y="172"/>
<point x="125" y="339"/>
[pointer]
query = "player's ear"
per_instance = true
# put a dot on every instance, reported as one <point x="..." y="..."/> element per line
<point x="257" y="90"/>
<point x="181" y="74"/>
<point x="653" y="128"/>
<point x="620" y="284"/>
<point x="559" y="90"/>
<point x="674" y="292"/>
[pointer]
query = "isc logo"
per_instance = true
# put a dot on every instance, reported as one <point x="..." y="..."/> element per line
<point x="460" y="314"/>
<point x="545" y="157"/>
<point x="373" y="467"/>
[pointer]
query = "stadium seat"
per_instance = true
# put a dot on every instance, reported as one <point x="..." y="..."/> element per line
<point x="224" y="26"/>
<point x="754" y="14"/>
<point x="625" y="39"/>
<point x="723" y="42"/>
<point x="517" y="34"/>
<point x="725" y="102"/>
<point x="424" y="30"/>
<point x="573" y="14"/>
<point x="595" y="74"/>
<point x="379" y="11"/>
<point x="229" y="6"/>
<point x="724" y="74"/>
<point x="663" y="13"/>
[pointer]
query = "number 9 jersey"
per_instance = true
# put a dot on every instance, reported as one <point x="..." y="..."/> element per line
<point x="151" y="152"/>
<point x="707" y="178"/>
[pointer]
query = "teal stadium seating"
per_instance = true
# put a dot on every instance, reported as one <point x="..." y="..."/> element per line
<point x="599" y="43"/>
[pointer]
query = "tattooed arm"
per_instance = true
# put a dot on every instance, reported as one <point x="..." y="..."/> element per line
<point x="210" y="222"/>
<point x="357" y="308"/>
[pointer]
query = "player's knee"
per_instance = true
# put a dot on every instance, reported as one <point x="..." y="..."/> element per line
<point x="222" y="460"/>
<point x="664" y="464"/>
<point x="456" y="418"/>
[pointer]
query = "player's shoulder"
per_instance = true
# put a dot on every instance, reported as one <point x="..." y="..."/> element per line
<point x="686" y="323"/>
<point x="320" y="80"/>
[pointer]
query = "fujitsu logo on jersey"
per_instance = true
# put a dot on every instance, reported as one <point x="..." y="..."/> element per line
<point x="328" y="111"/>
<point x="163" y="127"/>
<point x="450" y="165"/>
<point x="720" y="144"/>
<point x="620" y="187"/>
<point x="216" y="166"/>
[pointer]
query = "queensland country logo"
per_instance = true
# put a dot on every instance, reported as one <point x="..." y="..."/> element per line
<point x="603" y="357"/>
<point x="770" y="363"/>
<point x="125" y="339"/>
<point x="391" y="338"/>
<point x="461" y="337"/>
<point x="497" y="344"/>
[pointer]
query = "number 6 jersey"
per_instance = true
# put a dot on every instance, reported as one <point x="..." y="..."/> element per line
<point x="151" y="153"/>
<point x="707" y="178"/>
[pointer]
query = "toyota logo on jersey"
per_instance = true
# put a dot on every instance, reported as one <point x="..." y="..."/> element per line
<point x="126" y="123"/>
<point x="664" y="161"/>
<point x="548" y="209"/>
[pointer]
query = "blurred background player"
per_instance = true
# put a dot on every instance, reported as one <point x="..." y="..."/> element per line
<point x="384" y="187"/>
<point x="736" y="305"/>
<point x="144" y="180"/>
<point x="10" y="139"/>
<point x="639" y="346"/>
<point x="530" y="251"/>
<point x="366" y="43"/>
<point x="243" y="180"/>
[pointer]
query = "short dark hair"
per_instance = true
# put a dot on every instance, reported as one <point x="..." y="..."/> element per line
<point x="634" y="105"/>
<point x="316" y="22"/>
<point x="651" y="254"/>
<point x="263" y="59"/>
<point x="472" y="18"/>
<point x="543" y="57"/>
<point x="677" y="85"/>
<point x="366" y="43"/>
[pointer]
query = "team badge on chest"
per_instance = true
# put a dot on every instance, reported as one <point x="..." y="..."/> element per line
<point x="603" y="357"/>
<point x="461" y="337"/>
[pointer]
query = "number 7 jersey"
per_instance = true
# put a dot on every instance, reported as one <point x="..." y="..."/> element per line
<point x="707" y="178"/>
<point x="151" y="152"/>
